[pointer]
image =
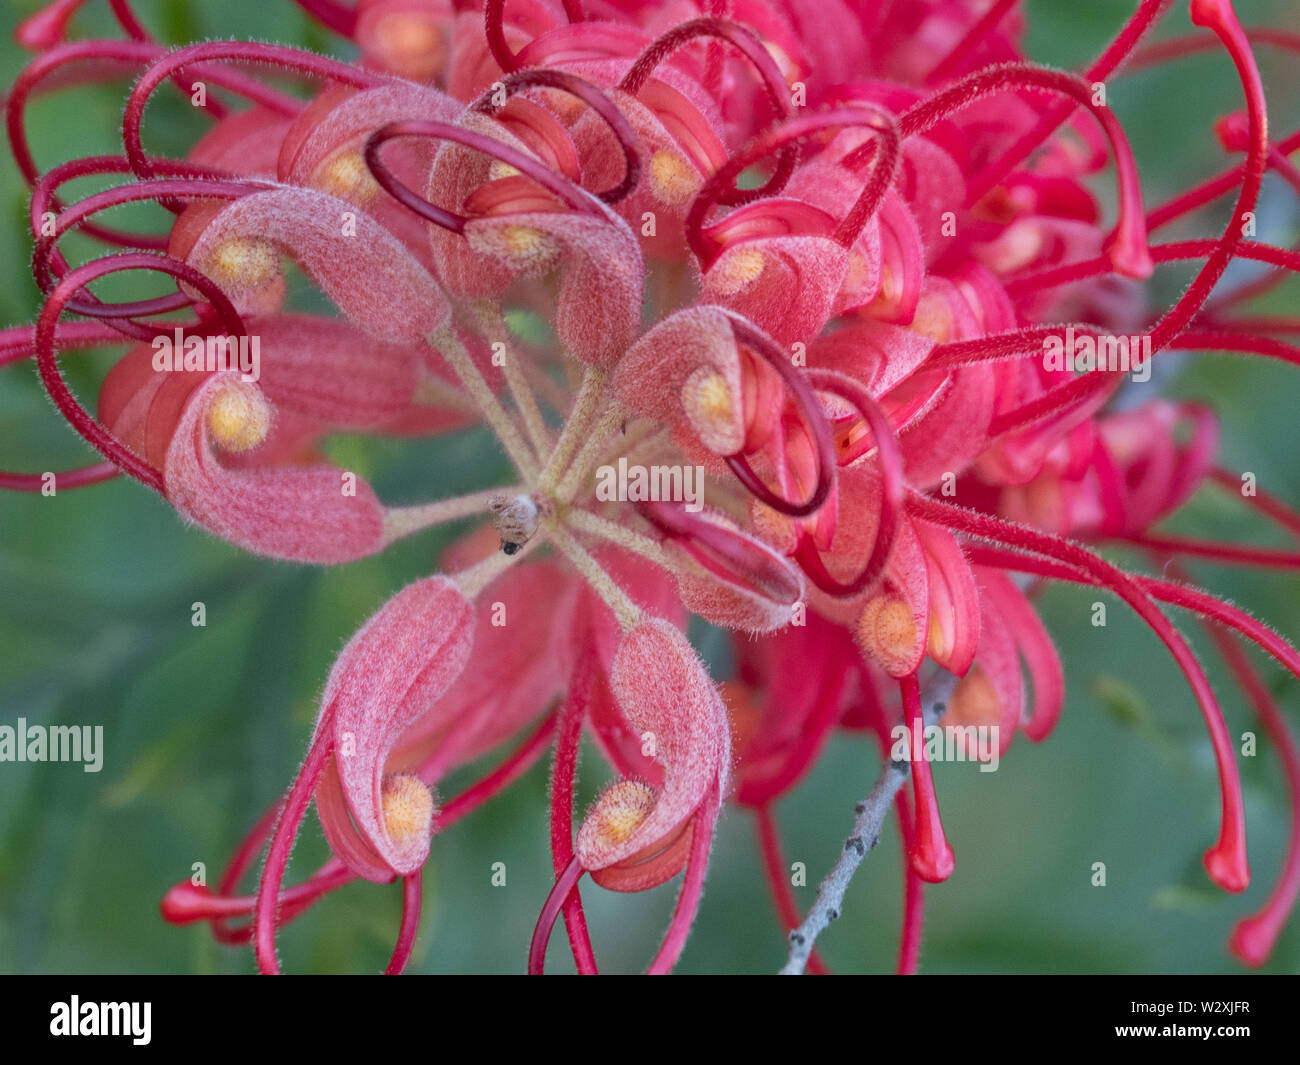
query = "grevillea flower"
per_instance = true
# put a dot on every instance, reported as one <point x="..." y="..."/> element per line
<point x="789" y="275"/>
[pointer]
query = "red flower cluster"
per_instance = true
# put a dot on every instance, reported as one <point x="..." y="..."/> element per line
<point x="820" y="254"/>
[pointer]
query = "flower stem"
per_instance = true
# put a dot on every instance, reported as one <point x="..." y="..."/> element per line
<point x="769" y="845"/>
<point x="410" y="924"/>
<point x="521" y="392"/>
<point x="584" y="409"/>
<point x="473" y="580"/>
<point x="628" y="539"/>
<point x="400" y="522"/>
<point x="450" y="347"/>
<point x="871" y="814"/>
<point x="627" y="612"/>
<point x="590" y="454"/>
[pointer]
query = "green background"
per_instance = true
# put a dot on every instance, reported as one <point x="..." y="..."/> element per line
<point x="205" y="726"/>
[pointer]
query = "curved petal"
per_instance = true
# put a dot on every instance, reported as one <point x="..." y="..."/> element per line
<point x="399" y="663"/>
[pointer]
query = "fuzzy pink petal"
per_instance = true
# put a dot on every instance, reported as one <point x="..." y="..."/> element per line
<point x="877" y="354"/>
<point x="993" y="693"/>
<point x="345" y="841"/>
<point x="658" y="375"/>
<point x="334" y="373"/>
<point x="730" y="578"/>
<point x="300" y="514"/>
<point x="893" y="625"/>
<point x="663" y="689"/>
<point x="902" y="268"/>
<point x="601" y="275"/>
<point x="368" y="273"/>
<point x="401" y="661"/>
<point x="954" y="632"/>
<point x="523" y="618"/>
<point x="317" y="138"/>
<point x="1036" y="648"/>
<point x="793" y="291"/>
<point x="949" y="437"/>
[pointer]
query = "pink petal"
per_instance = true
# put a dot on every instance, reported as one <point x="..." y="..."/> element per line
<point x="300" y="514"/>
<point x="663" y="689"/>
<point x="729" y="577"/>
<point x="530" y="655"/>
<point x="244" y="143"/>
<point x="369" y="274"/>
<point x="663" y="375"/>
<point x="401" y="661"/>
<point x="951" y="435"/>
<point x="332" y="372"/>
<point x="1035" y="647"/>
<point x="601" y="275"/>
<point x="877" y="354"/>
<point x="954" y="600"/>
<point x="786" y="286"/>
<point x="894" y="624"/>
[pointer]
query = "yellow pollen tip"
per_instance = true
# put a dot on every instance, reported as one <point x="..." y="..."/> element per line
<point x="672" y="179"/>
<point x="523" y="240"/>
<point x="621" y="811"/>
<point x="244" y="261"/>
<point x="737" y="269"/>
<point x="498" y="170"/>
<point x="347" y="177"/>
<point x="712" y="409"/>
<point x="407" y="806"/>
<point x="527" y="247"/>
<point x="239" y="417"/>
<point x="888" y="633"/>
<point x="933" y="320"/>
<point x="713" y="398"/>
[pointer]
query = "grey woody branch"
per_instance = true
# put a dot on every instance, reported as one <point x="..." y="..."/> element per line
<point x="870" y="815"/>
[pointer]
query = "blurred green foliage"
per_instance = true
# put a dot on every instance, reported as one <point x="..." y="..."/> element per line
<point x="205" y="726"/>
